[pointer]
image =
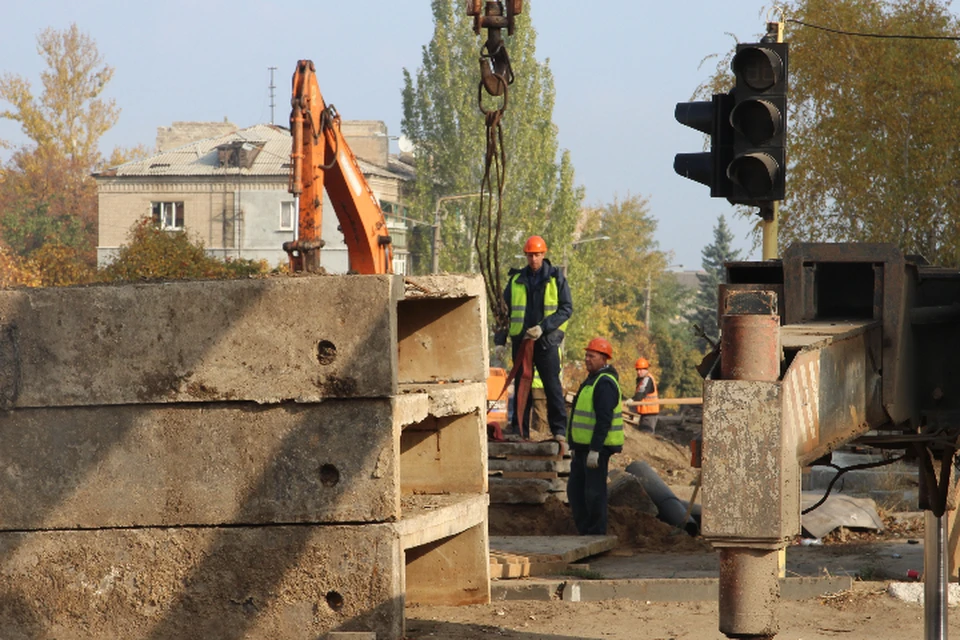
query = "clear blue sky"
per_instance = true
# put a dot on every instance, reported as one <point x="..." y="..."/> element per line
<point x="620" y="67"/>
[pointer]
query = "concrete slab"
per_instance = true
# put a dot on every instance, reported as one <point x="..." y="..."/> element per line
<point x="199" y="464"/>
<point x="204" y="341"/>
<point x="242" y="582"/>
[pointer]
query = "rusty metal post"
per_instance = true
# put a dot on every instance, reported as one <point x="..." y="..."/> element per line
<point x="749" y="567"/>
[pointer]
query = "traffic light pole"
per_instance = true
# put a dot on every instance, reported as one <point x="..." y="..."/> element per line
<point x="770" y="217"/>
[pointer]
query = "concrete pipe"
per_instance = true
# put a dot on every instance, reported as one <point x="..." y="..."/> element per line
<point x="670" y="509"/>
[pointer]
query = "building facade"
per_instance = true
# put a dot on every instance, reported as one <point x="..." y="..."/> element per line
<point x="228" y="188"/>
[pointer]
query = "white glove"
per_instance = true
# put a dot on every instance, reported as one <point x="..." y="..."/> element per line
<point x="593" y="459"/>
<point x="534" y="332"/>
<point x="500" y="352"/>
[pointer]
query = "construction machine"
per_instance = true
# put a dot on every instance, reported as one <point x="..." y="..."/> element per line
<point x="321" y="158"/>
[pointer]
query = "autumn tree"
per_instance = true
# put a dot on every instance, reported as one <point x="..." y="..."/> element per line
<point x="45" y="188"/>
<point x="157" y="254"/>
<point x="871" y="139"/>
<point x="442" y="118"/>
<point x="714" y="256"/>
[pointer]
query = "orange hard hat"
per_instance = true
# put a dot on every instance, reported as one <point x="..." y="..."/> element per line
<point x="641" y="364"/>
<point x="535" y="244"/>
<point x="600" y="346"/>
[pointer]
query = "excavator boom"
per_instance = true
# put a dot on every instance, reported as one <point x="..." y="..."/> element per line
<point x="321" y="158"/>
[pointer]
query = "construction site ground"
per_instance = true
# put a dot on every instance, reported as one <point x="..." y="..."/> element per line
<point x="659" y="583"/>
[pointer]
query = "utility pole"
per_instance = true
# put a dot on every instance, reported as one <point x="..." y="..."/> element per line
<point x="272" y="87"/>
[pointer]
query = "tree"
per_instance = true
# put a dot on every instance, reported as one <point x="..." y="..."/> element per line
<point x="714" y="256"/>
<point x="442" y="119"/>
<point x="872" y="138"/>
<point x="51" y="176"/>
<point x="157" y="254"/>
<point x="608" y="269"/>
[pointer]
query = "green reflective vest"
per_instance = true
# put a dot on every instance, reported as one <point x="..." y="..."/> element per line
<point x="583" y="418"/>
<point x="518" y="303"/>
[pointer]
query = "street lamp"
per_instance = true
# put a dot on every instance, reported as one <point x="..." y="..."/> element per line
<point x="436" y="226"/>
<point x="577" y="243"/>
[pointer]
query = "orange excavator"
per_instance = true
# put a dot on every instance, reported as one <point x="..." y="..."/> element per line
<point x="321" y="158"/>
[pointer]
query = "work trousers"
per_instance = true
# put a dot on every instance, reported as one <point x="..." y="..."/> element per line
<point x="546" y="358"/>
<point x="587" y="492"/>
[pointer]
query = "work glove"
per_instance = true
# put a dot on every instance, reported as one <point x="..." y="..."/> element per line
<point x="534" y="332"/>
<point x="500" y="353"/>
<point x="593" y="459"/>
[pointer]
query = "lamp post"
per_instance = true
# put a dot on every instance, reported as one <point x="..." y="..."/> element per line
<point x="577" y="243"/>
<point x="436" y="226"/>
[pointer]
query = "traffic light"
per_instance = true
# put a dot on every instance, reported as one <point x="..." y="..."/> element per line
<point x="759" y="120"/>
<point x="708" y="167"/>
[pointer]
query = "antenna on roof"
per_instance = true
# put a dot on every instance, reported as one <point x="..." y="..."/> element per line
<point x="272" y="87"/>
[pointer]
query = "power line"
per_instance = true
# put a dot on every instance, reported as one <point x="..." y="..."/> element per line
<point x="861" y="34"/>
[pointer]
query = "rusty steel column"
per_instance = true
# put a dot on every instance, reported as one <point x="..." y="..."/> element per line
<point x="750" y="347"/>
<point x="749" y="592"/>
<point x="749" y="568"/>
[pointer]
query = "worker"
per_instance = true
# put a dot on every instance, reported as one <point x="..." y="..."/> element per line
<point x="539" y="305"/>
<point x="595" y="434"/>
<point x="646" y="391"/>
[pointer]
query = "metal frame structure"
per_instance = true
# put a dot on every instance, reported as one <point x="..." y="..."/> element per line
<point x="835" y="342"/>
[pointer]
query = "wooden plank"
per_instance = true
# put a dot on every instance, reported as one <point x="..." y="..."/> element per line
<point x="545" y="475"/>
<point x="518" y="491"/>
<point x="543" y="549"/>
<point x="503" y="449"/>
<point x="670" y="402"/>
<point x="525" y="464"/>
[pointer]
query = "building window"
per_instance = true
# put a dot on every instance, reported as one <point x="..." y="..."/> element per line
<point x="168" y="215"/>
<point x="287" y="215"/>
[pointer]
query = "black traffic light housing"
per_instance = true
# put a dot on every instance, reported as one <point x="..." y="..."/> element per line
<point x="708" y="167"/>
<point x="758" y="168"/>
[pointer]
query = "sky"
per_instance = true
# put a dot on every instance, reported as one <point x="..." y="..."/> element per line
<point x="620" y="67"/>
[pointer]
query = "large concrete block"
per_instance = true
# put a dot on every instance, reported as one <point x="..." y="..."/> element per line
<point x="202" y="583"/>
<point x="202" y="464"/>
<point x="265" y="340"/>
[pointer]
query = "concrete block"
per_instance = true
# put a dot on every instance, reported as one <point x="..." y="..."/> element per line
<point x="265" y="340"/>
<point x="256" y="583"/>
<point x="442" y="329"/>
<point x="519" y="490"/>
<point x="200" y="464"/>
<point x="445" y="454"/>
<point x="450" y="571"/>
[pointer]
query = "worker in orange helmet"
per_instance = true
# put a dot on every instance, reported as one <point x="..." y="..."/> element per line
<point x="646" y="390"/>
<point x="539" y="305"/>
<point x="595" y="433"/>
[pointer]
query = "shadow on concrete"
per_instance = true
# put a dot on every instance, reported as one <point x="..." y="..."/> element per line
<point x="245" y="575"/>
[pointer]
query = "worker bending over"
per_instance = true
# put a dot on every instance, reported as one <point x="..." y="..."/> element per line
<point x="646" y="391"/>
<point x="595" y="434"/>
<point x="539" y="302"/>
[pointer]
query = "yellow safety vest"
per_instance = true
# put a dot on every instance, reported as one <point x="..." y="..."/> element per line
<point x="518" y="303"/>
<point x="583" y="418"/>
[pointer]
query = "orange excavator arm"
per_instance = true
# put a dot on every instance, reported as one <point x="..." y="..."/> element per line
<point x="321" y="158"/>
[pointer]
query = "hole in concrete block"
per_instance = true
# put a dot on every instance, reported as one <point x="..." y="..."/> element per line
<point x="326" y="352"/>
<point x="329" y="475"/>
<point x="334" y="600"/>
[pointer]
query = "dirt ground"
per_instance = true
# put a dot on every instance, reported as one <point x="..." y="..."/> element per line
<point x="649" y="548"/>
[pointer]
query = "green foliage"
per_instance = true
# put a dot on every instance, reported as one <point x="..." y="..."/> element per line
<point x="156" y="254"/>
<point x="26" y="230"/>
<point x="714" y="255"/>
<point x="443" y="120"/>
